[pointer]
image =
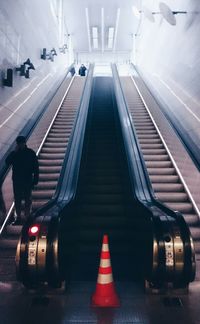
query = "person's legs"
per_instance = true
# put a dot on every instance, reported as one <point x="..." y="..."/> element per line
<point x="2" y="207"/>
<point x="28" y="201"/>
<point x="18" y="193"/>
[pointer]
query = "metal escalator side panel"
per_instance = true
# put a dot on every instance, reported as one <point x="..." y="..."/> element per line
<point x="36" y="254"/>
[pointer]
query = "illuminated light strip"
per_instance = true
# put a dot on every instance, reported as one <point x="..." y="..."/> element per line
<point x="95" y="37"/>
<point x="177" y="97"/>
<point x="168" y="151"/>
<point x="102" y="30"/>
<point x="88" y="28"/>
<point x="116" y="28"/>
<point x="7" y="119"/>
<point x="27" y="86"/>
<point x="17" y="94"/>
<point x="110" y="37"/>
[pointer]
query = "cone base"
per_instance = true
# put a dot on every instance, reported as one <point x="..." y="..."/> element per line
<point x="105" y="296"/>
<point x="98" y="301"/>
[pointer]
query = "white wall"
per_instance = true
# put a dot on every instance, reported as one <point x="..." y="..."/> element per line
<point x="169" y="56"/>
<point x="26" y="27"/>
<point x="103" y="58"/>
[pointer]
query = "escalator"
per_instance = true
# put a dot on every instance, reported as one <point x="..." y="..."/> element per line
<point x="104" y="189"/>
<point x="104" y="202"/>
<point x="165" y="179"/>
<point x="51" y="155"/>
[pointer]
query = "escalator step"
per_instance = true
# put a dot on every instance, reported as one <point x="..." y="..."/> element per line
<point x="192" y="219"/>
<point x="172" y="197"/>
<point x="164" y="178"/>
<point x="161" y="171"/>
<point x="181" y="207"/>
<point x="168" y="187"/>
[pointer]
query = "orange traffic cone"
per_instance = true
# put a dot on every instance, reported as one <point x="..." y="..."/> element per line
<point x="105" y="294"/>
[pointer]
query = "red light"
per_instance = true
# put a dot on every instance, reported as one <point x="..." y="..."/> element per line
<point x="33" y="230"/>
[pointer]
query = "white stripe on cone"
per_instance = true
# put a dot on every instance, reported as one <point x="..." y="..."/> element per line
<point x="105" y="247"/>
<point x="105" y="263"/>
<point x="105" y="278"/>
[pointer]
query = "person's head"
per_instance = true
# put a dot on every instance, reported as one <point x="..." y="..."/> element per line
<point x="21" y="141"/>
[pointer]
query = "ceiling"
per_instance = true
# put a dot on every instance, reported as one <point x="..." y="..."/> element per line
<point x="115" y="13"/>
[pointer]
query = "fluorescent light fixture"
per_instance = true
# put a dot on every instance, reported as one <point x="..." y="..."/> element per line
<point x="110" y="43"/>
<point x="136" y="12"/>
<point x="95" y="43"/>
<point x="94" y="32"/>
<point x="102" y="30"/>
<point x="95" y="37"/>
<point x="116" y="28"/>
<point x="110" y="37"/>
<point x="88" y="28"/>
<point x="111" y="32"/>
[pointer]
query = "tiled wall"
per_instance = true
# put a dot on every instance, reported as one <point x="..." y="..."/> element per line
<point x="26" y="27"/>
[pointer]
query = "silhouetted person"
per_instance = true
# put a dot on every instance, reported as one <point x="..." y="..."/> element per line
<point x="82" y="70"/>
<point x="25" y="175"/>
<point x="72" y="71"/>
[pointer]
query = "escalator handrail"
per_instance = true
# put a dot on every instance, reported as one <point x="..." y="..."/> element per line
<point x="68" y="178"/>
